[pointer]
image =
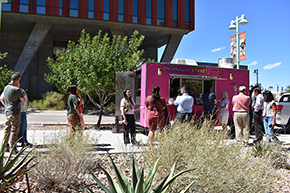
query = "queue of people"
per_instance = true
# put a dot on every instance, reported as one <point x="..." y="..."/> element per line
<point x="264" y="109"/>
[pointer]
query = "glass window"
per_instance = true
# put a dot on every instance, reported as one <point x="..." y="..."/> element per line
<point x="40" y="10"/>
<point x="91" y="5"/>
<point x="160" y="9"/>
<point x="41" y="2"/>
<point x="106" y="16"/>
<point x="187" y="13"/>
<point x="91" y="14"/>
<point x="135" y="7"/>
<point x="149" y="12"/>
<point x="26" y="2"/>
<point x="40" y="6"/>
<point x="106" y="6"/>
<point x="121" y="7"/>
<point x="120" y="17"/>
<point x="74" y="4"/>
<point x="6" y="6"/>
<point x="73" y="13"/>
<point x="175" y="12"/>
<point x="60" y="7"/>
<point x="23" y="8"/>
<point x="135" y="19"/>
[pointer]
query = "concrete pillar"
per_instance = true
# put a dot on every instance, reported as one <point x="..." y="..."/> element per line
<point x="171" y="48"/>
<point x="33" y="43"/>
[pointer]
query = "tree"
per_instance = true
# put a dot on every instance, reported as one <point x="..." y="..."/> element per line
<point x="287" y="88"/>
<point x="92" y="63"/>
<point x="5" y="74"/>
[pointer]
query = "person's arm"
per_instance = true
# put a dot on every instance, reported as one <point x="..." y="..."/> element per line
<point x="2" y="99"/>
<point x="22" y="100"/>
<point x="76" y="106"/>
<point x="80" y="99"/>
<point x="226" y="107"/>
<point x="274" y="114"/>
<point x="123" y="114"/>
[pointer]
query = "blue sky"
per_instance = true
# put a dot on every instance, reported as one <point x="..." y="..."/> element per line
<point x="267" y="34"/>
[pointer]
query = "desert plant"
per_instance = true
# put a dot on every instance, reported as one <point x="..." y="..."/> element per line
<point x="221" y="165"/>
<point x="138" y="183"/>
<point x="65" y="161"/>
<point x="50" y="101"/>
<point x="110" y="108"/>
<point x="13" y="169"/>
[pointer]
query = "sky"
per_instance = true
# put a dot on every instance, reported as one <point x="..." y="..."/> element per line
<point x="267" y="37"/>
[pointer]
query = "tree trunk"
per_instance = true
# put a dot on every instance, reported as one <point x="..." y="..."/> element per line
<point x="100" y="116"/>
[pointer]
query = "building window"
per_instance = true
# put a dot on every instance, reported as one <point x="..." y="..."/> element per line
<point x="74" y="8"/>
<point x="60" y="7"/>
<point x="135" y="11"/>
<point x="187" y="13"/>
<point x="106" y="15"/>
<point x="23" y="6"/>
<point x="40" y="6"/>
<point x="91" y="9"/>
<point x="175" y="12"/>
<point x="149" y="12"/>
<point x="6" y="6"/>
<point x="121" y="10"/>
<point x="161" y="12"/>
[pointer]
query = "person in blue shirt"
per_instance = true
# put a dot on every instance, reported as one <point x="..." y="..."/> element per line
<point x="209" y="101"/>
<point x="185" y="103"/>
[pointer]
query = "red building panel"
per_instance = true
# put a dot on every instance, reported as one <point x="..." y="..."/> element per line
<point x="83" y="8"/>
<point x="192" y="15"/>
<point x="114" y="10"/>
<point x="15" y="5"/>
<point x="154" y="12"/>
<point x="169" y="13"/>
<point x="181" y="14"/>
<point x="32" y="6"/>
<point x="65" y="7"/>
<point x="142" y="11"/>
<point x="52" y="7"/>
<point x="128" y="11"/>
<point x="99" y="8"/>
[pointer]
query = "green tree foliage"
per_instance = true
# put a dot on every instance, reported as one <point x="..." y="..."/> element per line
<point x="92" y="63"/>
<point x="287" y="88"/>
<point x="5" y="74"/>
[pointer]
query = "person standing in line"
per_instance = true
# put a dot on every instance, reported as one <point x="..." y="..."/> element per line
<point x="72" y="102"/>
<point x="270" y="115"/>
<point x="209" y="100"/>
<point x="241" y="109"/>
<point x="185" y="103"/>
<point x="224" y="110"/>
<point x="155" y="117"/>
<point x="127" y="110"/>
<point x="12" y="98"/>
<point x="258" y="110"/>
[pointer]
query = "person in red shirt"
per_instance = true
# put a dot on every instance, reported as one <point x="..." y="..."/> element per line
<point x="241" y="109"/>
<point x="155" y="105"/>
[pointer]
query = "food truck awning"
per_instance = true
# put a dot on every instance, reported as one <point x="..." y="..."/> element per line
<point x="195" y="77"/>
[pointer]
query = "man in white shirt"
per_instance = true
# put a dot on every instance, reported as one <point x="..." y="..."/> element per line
<point x="185" y="103"/>
<point x="258" y="110"/>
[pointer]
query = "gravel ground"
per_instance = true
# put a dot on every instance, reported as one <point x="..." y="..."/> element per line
<point x="123" y="161"/>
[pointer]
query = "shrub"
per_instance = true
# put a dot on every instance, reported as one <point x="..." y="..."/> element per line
<point x="49" y="101"/>
<point x="220" y="165"/>
<point x="61" y="168"/>
<point x="13" y="169"/>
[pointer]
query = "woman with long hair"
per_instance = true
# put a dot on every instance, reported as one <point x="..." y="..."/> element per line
<point x="127" y="105"/>
<point x="155" y="105"/>
<point x="72" y="102"/>
<point x="270" y="115"/>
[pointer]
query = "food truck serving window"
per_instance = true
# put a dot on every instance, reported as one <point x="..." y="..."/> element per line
<point x="196" y="85"/>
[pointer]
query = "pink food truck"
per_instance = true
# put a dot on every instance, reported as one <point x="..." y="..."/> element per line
<point x="170" y="77"/>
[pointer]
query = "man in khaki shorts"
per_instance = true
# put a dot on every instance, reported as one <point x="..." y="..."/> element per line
<point x="12" y="98"/>
<point x="241" y="109"/>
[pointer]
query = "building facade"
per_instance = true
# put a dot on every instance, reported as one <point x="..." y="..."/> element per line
<point x="32" y="30"/>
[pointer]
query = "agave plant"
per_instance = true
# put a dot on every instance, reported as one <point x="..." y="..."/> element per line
<point x="13" y="170"/>
<point x="139" y="184"/>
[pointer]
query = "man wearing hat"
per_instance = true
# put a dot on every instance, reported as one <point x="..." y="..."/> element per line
<point x="12" y="98"/>
<point x="241" y="109"/>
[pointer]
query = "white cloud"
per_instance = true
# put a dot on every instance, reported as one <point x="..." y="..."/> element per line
<point x="218" y="49"/>
<point x="270" y="66"/>
<point x="254" y="63"/>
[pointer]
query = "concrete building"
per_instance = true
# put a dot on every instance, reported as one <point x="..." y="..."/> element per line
<point x="32" y="30"/>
